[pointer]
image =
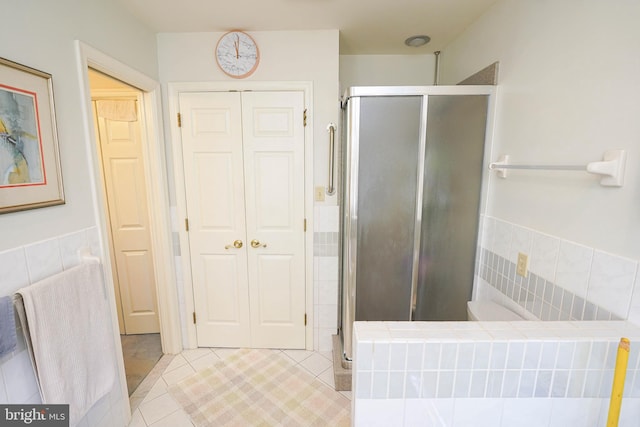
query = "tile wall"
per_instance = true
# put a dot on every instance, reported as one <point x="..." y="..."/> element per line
<point x="566" y="280"/>
<point x="490" y="373"/>
<point x="21" y="267"/>
<point x="325" y="275"/>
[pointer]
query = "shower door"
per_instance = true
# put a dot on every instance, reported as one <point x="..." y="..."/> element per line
<point x="412" y="180"/>
<point x="456" y="127"/>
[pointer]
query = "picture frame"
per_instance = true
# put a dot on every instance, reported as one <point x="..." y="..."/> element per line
<point x="30" y="173"/>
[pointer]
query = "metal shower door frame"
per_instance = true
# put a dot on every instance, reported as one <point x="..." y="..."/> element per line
<point x="349" y="210"/>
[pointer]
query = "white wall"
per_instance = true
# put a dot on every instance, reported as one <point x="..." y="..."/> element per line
<point x="41" y="34"/>
<point x="386" y="70"/>
<point x="569" y="87"/>
<point x="284" y="56"/>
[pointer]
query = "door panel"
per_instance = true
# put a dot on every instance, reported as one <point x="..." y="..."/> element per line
<point x="243" y="157"/>
<point x="212" y="156"/>
<point x="125" y="187"/>
<point x="274" y="172"/>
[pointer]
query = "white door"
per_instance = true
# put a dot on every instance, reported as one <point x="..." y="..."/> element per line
<point x="274" y="172"/>
<point x="125" y="187"/>
<point x="243" y="157"/>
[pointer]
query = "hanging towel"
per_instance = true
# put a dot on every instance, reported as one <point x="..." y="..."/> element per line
<point x="71" y="338"/>
<point x="8" y="339"/>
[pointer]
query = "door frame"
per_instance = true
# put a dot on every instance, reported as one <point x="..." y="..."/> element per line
<point x="158" y="194"/>
<point x="174" y="90"/>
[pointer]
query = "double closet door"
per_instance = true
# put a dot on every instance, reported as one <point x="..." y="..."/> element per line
<point x="243" y="155"/>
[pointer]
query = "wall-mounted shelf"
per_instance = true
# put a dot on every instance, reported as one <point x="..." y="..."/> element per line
<point x="611" y="167"/>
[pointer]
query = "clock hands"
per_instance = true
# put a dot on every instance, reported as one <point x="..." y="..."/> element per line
<point x="236" y="45"/>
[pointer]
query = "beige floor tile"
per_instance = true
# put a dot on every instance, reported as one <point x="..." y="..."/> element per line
<point x="297" y="355"/>
<point x="316" y="364"/>
<point x="175" y="375"/>
<point x="158" y="408"/>
<point x="204" y="361"/>
<point x="176" y="419"/>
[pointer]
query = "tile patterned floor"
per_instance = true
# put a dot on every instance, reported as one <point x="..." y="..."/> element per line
<point x="152" y="405"/>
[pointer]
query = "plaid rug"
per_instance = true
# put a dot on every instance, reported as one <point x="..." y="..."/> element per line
<point x="259" y="388"/>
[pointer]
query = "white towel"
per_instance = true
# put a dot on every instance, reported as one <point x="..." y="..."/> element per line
<point x="71" y="338"/>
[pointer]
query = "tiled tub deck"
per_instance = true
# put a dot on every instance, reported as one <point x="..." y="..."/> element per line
<point x="457" y="374"/>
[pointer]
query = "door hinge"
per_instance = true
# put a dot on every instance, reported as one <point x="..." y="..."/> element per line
<point x="304" y="118"/>
<point x="186" y="224"/>
<point x="305" y="319"/>
<point x="179" y="120"/>
<point x="194" y="317"/>
<point x="305" y="225"/>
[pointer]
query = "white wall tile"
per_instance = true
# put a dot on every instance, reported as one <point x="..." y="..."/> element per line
<point x="477" y="412"/>
<point x="70" y="244"/>
<point x="415" y="352"/>
<point x="488" y="232"/>
<point x="574" y="266"/>
<point x="430" y="384"/>
<point x="574" y="412"/>
<point x="380" y="385"/>
<point x="325" y="342"/>
<point x="327" y="292"/>
<point x="502" y="238"/>
<point x="328" y="268"/>
<point x="43" y="259"/>
<point x="446" y="382"/>
<point x="380" y="356"/>
<point x="428" y="412"/>
<point x="462" y="383"/>
<point x="363" y="383"/>
<point x="19" y="379"/>
<point x="544" y="255"/>
<point x="13" y="270"/>
<point x="398" y="356"/>
<point x="611" y="282"/>
<point x="526" y="412"/>
<point x="413" y="385"/>
<point x="378" y="413"/>
<point x="634" y="310"/>
<point x="93" y="241"/>
<point x="521" y="241"/>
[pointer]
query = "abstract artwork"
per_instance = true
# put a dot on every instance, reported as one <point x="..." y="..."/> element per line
<point x="29" y="160"/>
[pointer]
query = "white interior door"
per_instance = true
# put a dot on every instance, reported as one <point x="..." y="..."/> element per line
<point x="243" y="157"/>
<point x="212" y="156"/>
<point x="274" y="172"/>
<point x="125" y="186"/>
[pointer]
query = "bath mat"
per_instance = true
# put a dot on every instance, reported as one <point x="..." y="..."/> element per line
<point x="259" y="388"/>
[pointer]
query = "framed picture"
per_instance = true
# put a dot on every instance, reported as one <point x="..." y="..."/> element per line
<point x="30" y="174"/>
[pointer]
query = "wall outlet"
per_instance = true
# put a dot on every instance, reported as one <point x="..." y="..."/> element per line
<point x="319" y="194"/>
<point x="522" y="268"/>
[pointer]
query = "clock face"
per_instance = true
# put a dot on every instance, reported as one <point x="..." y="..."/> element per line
<point x="237" y="54"/>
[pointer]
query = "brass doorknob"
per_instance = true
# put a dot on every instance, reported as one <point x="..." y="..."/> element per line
<point x="256" y="244"/>
<point x="236" y="244"/>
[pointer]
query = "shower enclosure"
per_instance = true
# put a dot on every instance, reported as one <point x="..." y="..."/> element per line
<point x="412" y="161"/>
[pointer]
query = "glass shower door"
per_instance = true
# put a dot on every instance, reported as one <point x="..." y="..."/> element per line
<point x="455" y="136"/>
<point x="387" y="182"/>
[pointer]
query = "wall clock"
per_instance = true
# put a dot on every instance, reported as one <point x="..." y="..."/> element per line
<point x="237" y="54"/>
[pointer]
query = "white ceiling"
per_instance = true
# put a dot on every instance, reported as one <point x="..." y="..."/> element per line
<point x="366" y="26"/>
